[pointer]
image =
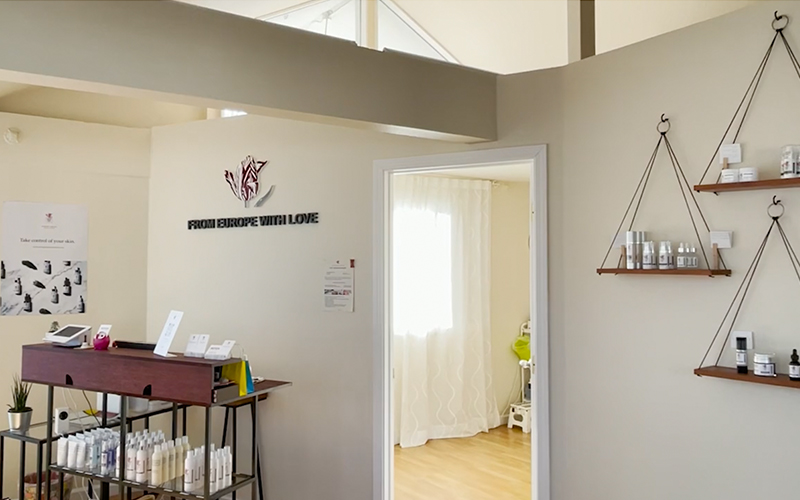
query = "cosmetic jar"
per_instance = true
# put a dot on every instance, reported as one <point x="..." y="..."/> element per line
<point x="729" y="175"/>
<point x="764" y="365"/>
<point x="748" y="174"/>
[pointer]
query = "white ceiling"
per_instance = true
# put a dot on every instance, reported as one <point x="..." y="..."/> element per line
<point x="511" y="172"/>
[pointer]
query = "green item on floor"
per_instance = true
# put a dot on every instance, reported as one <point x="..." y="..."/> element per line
<point x="522" y="346"/>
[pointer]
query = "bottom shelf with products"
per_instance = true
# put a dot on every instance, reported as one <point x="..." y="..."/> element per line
<point x="731" y="374"/>
<point x="173" y="488"/>
<point x="672" y="272"/>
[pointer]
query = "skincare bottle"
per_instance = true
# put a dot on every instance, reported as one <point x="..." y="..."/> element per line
<point x="80" y="455"/>
<point x="179" y="457"/>
<point x="169" y="461"/>
<point x="158" y="467"/>
<point x="141" y="463"/>
<point x="81" y="306"/>
<point x="741" y="355"/>
<point x="54" y="296"/>
<point x="27" y="304"/>
<point x="2" y="270"/>
<point x="681" y="261"/>
<point x="649" y="257"/>
<point x="67" y="287"/>
<point x="116" y="464"/>
<point x="692" y="258"/>
<point x="221" y="469"/>
<point x="63" y="448"/>
<point x="228" y="465"/>
<point x="630" y="249"/>
<point x="794" y="367"/>
<point x="47" y="267"/>
<point x="17" y="287"/>
<point x="130" y="461"/>
<point x="664" y="255"/>
<point x="199" y="469"/>
<point x="188" y="472"/>
<point x="212" y="473"/>
<point x="78" y="276"/>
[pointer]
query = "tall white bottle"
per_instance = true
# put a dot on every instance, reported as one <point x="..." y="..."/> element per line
<point x="179" y="457"/>
<point x="130" y="461"/>
<point x="174" y="462"/>
<point x="198" y="469"/>
<point x="156" y="473"/>
<point x="141" y="463"/>
<point x="221" y="469"/>
<point x="188" y="472"/>
<point x="212" y="473"/>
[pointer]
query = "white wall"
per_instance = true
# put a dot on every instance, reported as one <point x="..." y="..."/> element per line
<point x="105" y="168"/>
<point x="510" y="292"/>
<point x="262" y="286"/>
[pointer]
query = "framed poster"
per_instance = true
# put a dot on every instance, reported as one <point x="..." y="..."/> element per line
<point x="43" y="259"/>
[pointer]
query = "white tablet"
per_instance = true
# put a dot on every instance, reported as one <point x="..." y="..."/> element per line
<point x="69" y="335"/>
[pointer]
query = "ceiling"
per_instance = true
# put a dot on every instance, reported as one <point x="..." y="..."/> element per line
<point x="511" y="172"/>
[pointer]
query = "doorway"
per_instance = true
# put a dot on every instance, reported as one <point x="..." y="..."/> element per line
<point x="412" y="177"/>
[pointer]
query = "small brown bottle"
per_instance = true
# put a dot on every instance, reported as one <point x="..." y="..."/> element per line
<point x="794" y="367"/>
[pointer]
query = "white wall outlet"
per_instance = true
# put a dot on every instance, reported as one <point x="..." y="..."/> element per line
<point x="723" y="239"/>
<point x="739" y="335"/>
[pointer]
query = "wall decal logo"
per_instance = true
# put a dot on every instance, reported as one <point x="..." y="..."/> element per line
<point x="48" y="217"/>
<point x="244" y="181"/>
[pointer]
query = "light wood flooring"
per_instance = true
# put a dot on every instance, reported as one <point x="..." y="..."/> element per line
<point x="490" y="466"/>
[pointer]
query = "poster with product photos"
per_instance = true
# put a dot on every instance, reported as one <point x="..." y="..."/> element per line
<point x="43" y="259"/>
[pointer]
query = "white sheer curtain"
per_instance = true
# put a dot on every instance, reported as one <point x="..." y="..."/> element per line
<point x="440" y="305"/>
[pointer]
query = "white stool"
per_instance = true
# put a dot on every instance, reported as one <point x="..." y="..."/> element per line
<point x="520" y="415"/>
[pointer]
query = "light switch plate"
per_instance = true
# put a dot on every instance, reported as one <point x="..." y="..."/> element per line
<point x="723" y="239"/>
<point x="738" y="335"/>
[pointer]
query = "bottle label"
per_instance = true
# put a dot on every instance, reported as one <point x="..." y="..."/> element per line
<point x="794" y="371"/>
<point x="741" y="358"/>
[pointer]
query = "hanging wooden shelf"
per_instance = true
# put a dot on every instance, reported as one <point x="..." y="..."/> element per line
<point x="731" y="374"/>
<point x="665" y="272"/>
<point x="713" y="265"/>
<point x="748" y="186"/>
<point x="733" y="131"/>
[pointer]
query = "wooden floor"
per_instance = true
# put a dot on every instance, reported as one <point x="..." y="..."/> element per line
<point x="490" y="466"/>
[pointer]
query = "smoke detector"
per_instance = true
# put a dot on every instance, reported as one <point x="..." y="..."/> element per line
<point x="11" y="136"/>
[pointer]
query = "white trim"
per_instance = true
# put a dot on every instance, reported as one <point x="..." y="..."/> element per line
<point x="419" y="30"/>
<point x="383" y="456"/>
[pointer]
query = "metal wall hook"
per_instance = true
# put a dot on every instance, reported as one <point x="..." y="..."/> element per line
<point x="664" y="120"/>
<point x="775" y="203"/>
<point x="778" y="19"/>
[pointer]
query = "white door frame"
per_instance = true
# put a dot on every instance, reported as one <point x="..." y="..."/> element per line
<point x="383" y="456"/>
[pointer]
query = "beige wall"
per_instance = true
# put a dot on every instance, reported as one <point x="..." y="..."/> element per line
<point x="629" y="420"/>
<point x="510" y="290"/>
<point x="262" y="286"/>
<point x="105" y="168"/>
<point x="623" y="22"/>
<point x="97" y="108"/>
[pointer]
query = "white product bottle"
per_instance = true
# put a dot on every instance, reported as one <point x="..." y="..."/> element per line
<point x="188" y="472"/>
<point x="198" y="469"/>
<point x="117" y="461"/>
<point x="171" y="473"/>
<point x="228" y="466"/>
<point x="179" y="457"/>
<point x="157" y="470"/>
<point x="693" y="258"/>
<point x="141" y="463"/>
<point x="63" y="448"/>
<point x="130" y="461"/>
<point x="221" y="469"/>
<point x="681" y="256"/>
<point x="212" y="473"/>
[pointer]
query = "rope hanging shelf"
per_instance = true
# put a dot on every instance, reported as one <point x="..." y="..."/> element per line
<point x="775" y="212"/>
<point x="779" y="23"/>
<point x="718" y="269"/>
